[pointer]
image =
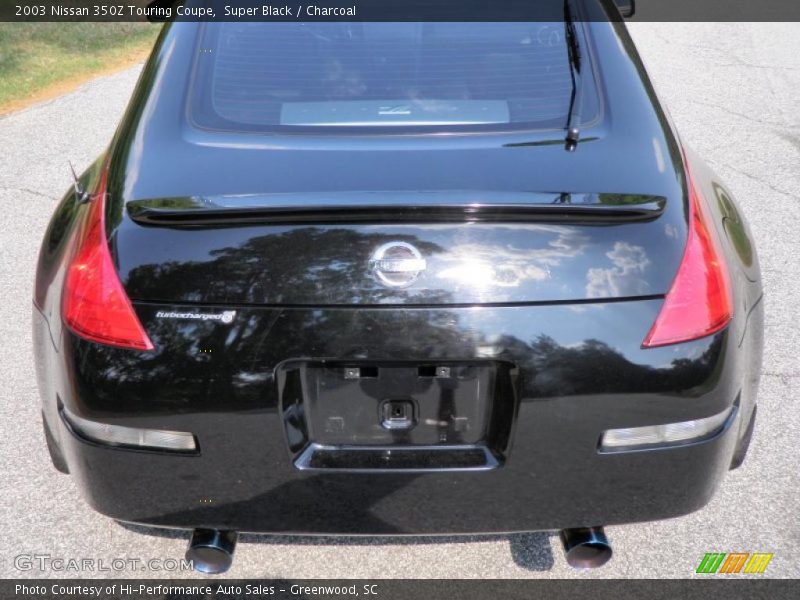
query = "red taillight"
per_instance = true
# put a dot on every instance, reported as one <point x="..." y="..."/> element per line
<point x="699" y="302"/>
<point x="95" y="304"/>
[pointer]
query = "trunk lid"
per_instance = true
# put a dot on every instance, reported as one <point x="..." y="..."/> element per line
<point x="410" y="248"/>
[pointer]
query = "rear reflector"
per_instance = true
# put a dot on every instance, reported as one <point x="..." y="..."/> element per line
<point x="117" y="435"/>
<point x="699" y="302"/>
<point x="660" y="435"/>
<point x="95" y="305"/>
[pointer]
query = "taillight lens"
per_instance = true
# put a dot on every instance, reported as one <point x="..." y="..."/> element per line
<point x="699" y="302"/>
<point x="95" y="305"/>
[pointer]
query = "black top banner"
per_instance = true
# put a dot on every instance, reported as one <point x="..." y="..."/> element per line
<point x="397" y="10"/>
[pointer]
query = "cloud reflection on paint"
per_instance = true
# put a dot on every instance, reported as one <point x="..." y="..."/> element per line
<point x="625" y="278"/>
<point x="482" y="266"/>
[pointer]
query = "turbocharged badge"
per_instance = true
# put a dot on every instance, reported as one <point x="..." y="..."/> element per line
<point x="225" y="316"/>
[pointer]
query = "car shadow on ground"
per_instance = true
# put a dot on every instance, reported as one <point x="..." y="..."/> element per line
<point x="530" y="551"/>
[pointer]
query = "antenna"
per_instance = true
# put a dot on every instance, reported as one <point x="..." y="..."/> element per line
<point x="80" y="193"/>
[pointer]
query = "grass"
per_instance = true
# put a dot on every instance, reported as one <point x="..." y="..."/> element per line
<point x="42" y="60"/>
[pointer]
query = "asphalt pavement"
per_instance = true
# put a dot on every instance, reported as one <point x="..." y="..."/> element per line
<point x="732" y="90"/>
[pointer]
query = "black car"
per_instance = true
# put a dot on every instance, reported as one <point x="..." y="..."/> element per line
<point x="397" y="278"/>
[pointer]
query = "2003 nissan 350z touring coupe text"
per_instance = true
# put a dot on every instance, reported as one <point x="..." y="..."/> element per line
<point x="397" y="278"/>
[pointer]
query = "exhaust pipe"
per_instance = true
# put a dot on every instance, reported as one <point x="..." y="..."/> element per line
<point x="586" y="547"/>
<point x="211" y="550"/>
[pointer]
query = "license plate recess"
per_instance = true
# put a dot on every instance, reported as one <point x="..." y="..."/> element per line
<point x="352" y="415"/>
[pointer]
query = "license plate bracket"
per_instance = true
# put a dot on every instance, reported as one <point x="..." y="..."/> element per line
<point x="444" y="412"/>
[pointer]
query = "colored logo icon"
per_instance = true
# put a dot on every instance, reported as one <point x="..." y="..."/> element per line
<point x="734" y="562"/>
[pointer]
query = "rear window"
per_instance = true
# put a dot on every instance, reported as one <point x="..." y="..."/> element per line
<point x="368" y="77"/>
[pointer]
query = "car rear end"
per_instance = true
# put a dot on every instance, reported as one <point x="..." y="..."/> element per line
<point x="275" y="319"/>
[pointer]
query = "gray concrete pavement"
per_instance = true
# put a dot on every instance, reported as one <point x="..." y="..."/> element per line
<point x="732" y="90"/>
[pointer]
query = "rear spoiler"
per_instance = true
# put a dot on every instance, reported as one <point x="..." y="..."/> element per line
<point x="393" y="207"/>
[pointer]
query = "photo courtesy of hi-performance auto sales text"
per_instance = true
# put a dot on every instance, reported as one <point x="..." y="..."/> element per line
<point x="398" y="279"/>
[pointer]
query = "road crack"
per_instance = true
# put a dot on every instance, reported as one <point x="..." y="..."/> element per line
<point x="28" y="191"/>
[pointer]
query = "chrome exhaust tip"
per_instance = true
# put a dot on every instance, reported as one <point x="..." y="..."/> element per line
<point x="586" y="547"/>
<point x="211" y="550"/>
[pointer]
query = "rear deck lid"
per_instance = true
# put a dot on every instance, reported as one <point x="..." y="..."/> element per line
<point x="419" y="248"/>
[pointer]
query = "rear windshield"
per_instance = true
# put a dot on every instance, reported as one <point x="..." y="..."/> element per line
<point x="365" y="77"/>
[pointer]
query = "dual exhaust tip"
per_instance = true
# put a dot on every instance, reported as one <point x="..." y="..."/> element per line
<point x="586" y="547"/>
<point x="211" y="550"/>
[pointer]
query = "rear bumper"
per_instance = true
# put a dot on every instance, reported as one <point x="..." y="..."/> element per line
<point x="241" y="487"/>
<point x="581" y="372"/>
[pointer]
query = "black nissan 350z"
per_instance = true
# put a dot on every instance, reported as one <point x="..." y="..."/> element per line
<point x="397" y="278"/>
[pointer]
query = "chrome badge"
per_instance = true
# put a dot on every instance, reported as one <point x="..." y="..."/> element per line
<point x="397" y="264"/>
